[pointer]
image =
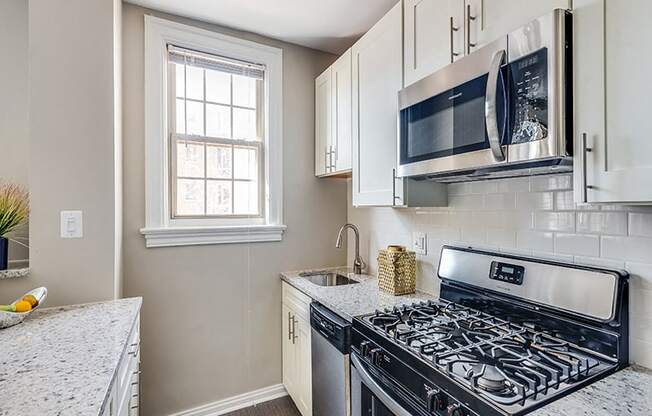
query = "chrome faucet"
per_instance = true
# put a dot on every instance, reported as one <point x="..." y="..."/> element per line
<point x="358" y="264"/>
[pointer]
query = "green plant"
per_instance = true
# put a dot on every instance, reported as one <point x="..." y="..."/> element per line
<point x="14" y="207"/>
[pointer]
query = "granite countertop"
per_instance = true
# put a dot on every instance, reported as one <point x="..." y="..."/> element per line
<point x="14" y="273"/>
<point x="626" y="392"/>
<point x="62" y="361"/>
<point x="351" y="300"/>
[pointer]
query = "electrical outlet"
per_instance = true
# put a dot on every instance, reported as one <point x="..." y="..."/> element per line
<point x="72" y="224"/>
<point x="419" y="244"/>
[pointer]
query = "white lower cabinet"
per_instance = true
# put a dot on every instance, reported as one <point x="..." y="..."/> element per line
<point x="297" y="367"/>
<point x="124" y="396"/>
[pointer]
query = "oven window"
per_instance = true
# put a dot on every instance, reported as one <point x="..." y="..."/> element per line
<point x="371" y="406"/>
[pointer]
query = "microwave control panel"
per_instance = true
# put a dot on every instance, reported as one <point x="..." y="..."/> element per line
<point x="528" y="79"/>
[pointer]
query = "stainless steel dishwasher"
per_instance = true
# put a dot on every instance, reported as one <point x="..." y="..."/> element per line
<point x="331" y="342"/>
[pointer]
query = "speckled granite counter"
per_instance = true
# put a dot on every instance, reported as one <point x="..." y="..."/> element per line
<point x="351" y="300"/>
<point x="14" y="273"/>
<point x="628" y="392"/>
<point x="62" y="361"/>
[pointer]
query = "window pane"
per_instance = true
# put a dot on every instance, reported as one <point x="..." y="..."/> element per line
<point x="244" y="124"/>
<point x="190" y="159"/>
<point x="245" y="162"/>
<point x="244" y="91"/>
<point x="218" y="160"/>
<point x="180" y="80"/>
<point x="195" y="118"/>
<point x="218" y="87"/>
<point x="246" y="198"/>
<point x="219" y="197"/>
<point x="195" y="82"/>
<point x="181" y="117"/>
<point x="218" y="121"/>
<point x="190" y="197"/>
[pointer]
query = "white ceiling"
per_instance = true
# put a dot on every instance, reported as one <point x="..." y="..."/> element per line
<point x="328" y="25"/>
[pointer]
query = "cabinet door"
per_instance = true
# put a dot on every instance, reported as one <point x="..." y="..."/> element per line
<point x="612" y="101"/>
<point x="377" y="78"/>
<point x="303" y="367"/>
<point x="289" y="360"/>
<point x="487" y="20"/>
<point x="431" y="39"/>
<point x="341" y="113"/>
<point x="323" y="122"/>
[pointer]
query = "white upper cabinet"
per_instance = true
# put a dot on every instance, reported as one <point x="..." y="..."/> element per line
<point x="333" y="119"/>
<point x="377" y="78"/>
<point x="323" y="122"/>
<point x="487" y="20"/>
<point x="433" y="37"/>
<point x="612" y="101"/>
<point x="341" y="113"/>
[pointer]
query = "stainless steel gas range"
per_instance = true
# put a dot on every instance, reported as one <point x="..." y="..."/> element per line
<point x="508" y="335"/>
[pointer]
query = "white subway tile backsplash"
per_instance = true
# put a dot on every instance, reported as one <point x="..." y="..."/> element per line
<point x="634" y="249"/>
<point x="614" y="223"/>
<point x="582" y="245"/>
<point x="554" y="221"/>
<point x="534" y="240"/>
<point x="640" y="224"/>
<point x="500" y="201"/>
<point x="550" y="183"/>
<point x="502" y="215"/>
<point x="534" y="201"/>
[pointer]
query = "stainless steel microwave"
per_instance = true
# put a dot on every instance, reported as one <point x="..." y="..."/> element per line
<point x="504" y="110"/>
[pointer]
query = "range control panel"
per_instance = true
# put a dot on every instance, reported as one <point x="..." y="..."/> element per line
<point x="508" y="273"/>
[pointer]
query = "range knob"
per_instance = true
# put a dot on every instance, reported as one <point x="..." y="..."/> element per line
<point x="376" y="356"/>
<point x="436" y="400"/>
<point x="364" y="348"/>
<point x="455" y="410"/>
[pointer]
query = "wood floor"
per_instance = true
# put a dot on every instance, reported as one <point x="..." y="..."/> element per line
<point x="278" y="407"/>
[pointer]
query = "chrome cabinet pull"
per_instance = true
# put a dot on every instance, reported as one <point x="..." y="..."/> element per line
<point x="289" y="326"/>
<point x="585" y="151"/>
<point x="326" y="160"/>
<point x="394" y="179"/>
<point x="491" y="104"/>
<point x="453" y="29"/>
<point x="294" y="330"/>
<point x="469" y="19"/>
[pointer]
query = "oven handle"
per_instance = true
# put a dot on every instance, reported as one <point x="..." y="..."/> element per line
<point x="375" y="388"/>
<point x="490" y="106"/>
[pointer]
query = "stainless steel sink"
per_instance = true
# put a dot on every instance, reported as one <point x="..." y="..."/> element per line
<point x="327" y="278"/>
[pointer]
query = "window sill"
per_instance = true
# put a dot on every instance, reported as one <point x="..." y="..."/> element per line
<point x="193" y="236"/>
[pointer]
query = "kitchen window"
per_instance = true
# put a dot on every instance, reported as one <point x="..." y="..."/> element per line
<point x="213" y="107"/>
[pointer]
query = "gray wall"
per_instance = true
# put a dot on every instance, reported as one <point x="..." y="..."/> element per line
<point x="72" y="155"/>
<point x="212" y="314"/>
<point x="14" y="111"/>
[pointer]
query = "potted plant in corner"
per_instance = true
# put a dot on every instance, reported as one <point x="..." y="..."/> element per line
<point x="14" y="212"/>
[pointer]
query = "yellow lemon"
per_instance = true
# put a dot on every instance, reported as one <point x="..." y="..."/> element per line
<point x="23" y="306"/>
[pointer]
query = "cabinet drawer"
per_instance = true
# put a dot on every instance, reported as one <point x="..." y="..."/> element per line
<point x="130" y="360"/>
<point x="297" y="301"/>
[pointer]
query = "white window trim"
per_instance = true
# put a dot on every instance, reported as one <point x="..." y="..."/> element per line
<point x="160" y="230"/>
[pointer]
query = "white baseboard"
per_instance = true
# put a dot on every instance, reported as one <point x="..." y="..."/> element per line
<point x="234" y="403"/>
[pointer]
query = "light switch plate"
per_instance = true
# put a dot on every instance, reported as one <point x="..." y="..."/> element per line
<point x="419" y="243"/>
<point x="72" y="224"/>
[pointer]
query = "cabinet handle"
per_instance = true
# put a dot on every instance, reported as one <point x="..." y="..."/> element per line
<point x="453" y="29"/>
<point x="469" y="19"/>
<point x="294" y="330"/>
<point x="394" y="178"/>
<point x="326" y="165"/>
<point x="289" y="326"/>
<point x="585" y="151"/>
<point x="333" y="158"/>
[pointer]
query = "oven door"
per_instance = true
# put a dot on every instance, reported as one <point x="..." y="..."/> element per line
<point x="374" y="395"/>
<point x="457" y="118"/>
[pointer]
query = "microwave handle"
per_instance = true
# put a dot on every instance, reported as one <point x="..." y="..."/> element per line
<point x="491" y="104"/>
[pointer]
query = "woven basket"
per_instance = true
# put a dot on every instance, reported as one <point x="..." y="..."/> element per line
<point x="397" y="271"/>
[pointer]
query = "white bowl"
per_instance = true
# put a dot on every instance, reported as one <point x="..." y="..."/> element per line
<point x="8" y="319"/>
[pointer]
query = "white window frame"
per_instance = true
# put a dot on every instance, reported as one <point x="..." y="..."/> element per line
<point x="161" y="230"/>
